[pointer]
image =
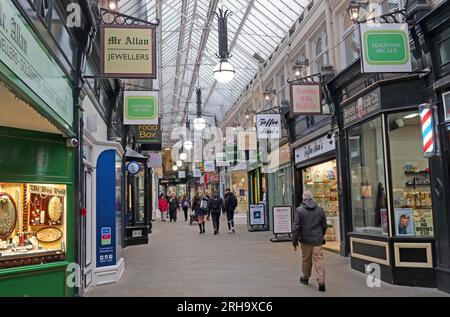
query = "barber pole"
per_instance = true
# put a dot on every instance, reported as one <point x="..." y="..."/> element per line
<point x="427" y="124"/>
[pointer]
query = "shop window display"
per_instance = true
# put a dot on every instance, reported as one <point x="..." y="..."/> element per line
<point x="322" y="181"/>
<point x="32" y="224"/>
<point x="368" y="184"/>
<point x="410" y="177"/>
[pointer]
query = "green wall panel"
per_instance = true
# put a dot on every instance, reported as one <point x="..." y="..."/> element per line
<point x="32" y="156"/>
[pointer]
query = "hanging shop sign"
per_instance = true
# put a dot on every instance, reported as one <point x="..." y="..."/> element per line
<point x="128" y="51"/>
<point x="182" y="174"/>
<point x="210" y="166"/>
<point x="363" y="108"/>
<point x="133" y="168"/>
<point x="20" y="48"/>
<point x="282" y="220"/>
<point x="197" y="172"/>
<point x="257" y="215"/>
<point x="385" y="48"/>
<point x="140" y="108"/>
<point x="149" y="134"/>
<point x="428" y="126"/>
<point x="247" y="141"/>
<point x="446" y="102"/>
<point x="154" y="160"/>
<point x="268" y="126"/>
<point x="306" y="99"/>
<point x="314" y="149"/>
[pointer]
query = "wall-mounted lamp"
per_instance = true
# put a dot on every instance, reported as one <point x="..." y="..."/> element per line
<point x="268" y="94"/>
<point x="298" y="67"/>
<point x="112" y="5"/>
<point x="354" y="8"/>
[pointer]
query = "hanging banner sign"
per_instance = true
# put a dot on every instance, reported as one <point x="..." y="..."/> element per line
<point x="427" y="124"/>
<point x="154" y="160"/>
<point x="140" y="108"/>
<point x="128" y="51"/>
<point x="385" y="48"/>
<point x="314" y="149"/>
<point x="268" y="126"/>
<point x="282" y="220"/>
<point x="306" y="99"/>
<point x="197" y="173"/>
<point x="257" y="215"/>
<point x="446" y="101"/>
<point x="210" y="166"/>
<point x="181" y="174"/>
<point x="25" y="56"/>
<point x="363" y="108"/>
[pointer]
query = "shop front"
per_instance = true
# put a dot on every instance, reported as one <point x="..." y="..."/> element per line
<point x="279" y="178"/>
<point x="238" y="183"/>
<point x="389" y="183"/>
<point x="258" y="219"/>
<point x="37" y="219"/>
<point x="316" y="171"/>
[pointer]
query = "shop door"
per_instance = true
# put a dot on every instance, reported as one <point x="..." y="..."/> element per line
<point x="87" y="231"/>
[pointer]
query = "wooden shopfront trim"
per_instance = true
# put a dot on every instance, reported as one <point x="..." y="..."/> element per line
<point x="372" y="243"/>
<point x="429" y="251"/>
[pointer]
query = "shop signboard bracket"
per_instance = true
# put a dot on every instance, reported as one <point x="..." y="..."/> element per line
<point x="108" y="17"/>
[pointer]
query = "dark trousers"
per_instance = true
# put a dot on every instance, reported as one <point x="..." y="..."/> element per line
<point x="216" y="221"/>
<point x="173" y="214"/>
<point x="230" y="218"/>
<point x="185" y="209"/>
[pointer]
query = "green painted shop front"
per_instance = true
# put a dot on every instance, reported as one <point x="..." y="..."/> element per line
<point x="32" y="160"/>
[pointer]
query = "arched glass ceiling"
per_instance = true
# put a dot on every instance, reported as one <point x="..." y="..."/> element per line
<point x="188" y="42"/>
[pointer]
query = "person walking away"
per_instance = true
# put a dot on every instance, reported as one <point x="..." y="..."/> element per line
<point x="230" y="207"/>
<point x="173" y="207"/>
<point x="310" y="225"/>
<point x="199" y="207"/>
<point x="163" y="206"/>
<point x="185" y="205"/>
<point x="216" y="206"/>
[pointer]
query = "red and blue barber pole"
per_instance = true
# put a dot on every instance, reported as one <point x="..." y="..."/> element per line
<point x="427" y="124"/>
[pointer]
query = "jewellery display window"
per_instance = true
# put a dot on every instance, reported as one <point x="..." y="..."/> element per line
<point x="32" y="224"/>
<point x="322" y="181"/>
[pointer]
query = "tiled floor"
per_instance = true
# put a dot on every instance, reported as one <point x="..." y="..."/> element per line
<point x="181" y="262"/>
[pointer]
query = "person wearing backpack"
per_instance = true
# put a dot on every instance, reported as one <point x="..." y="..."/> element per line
<point x="230" y="207"/>
<point x="199" y="205"/>
<point x="215" y="206"/>
<point x="185" y="205"/>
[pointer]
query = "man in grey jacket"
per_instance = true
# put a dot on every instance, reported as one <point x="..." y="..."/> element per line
<point x="310" y="225"/>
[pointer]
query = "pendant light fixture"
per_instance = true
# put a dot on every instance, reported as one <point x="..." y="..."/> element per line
<point x="199" y="122"/>
<point x="224" y="71"/>
<point x="188" y="145"/>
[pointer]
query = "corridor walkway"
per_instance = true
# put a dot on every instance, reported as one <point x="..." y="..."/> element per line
<point x="179" y="262"/>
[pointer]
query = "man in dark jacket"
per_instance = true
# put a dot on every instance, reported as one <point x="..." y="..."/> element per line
<point x="215" y="206"/>
<point x="310" y="225"/>
<point x="173" y="207"/>
<point x="230" y="207"/>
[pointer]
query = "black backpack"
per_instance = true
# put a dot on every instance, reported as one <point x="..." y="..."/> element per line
<point x="234" y="201"/>
<point x="216" y="203"/>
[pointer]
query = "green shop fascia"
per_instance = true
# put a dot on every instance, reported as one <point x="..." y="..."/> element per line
<point x="37" y="233"/>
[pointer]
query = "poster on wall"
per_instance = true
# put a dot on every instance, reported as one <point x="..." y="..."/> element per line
<point x="140" y="108"/>
<point x="306" y="99"/>
<point x="385" y="48"/>
<point x="210" y="166"/>
<point x="182" y="174"/>
<point x="257" y="214"/>
<point x="268" y="126"/>
<point x="404" y="222"/>
<point x="423" y="222"/>
<point x="282" y="220"/>
<point x="128" y="51"/>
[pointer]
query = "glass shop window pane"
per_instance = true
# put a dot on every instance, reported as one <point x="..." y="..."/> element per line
<point x="444" y="49"/>
<point x="367" y="170"/>
<point x="410" y="177"/>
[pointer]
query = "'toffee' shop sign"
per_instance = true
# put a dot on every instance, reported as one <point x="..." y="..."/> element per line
<point x="141" y="108"/>
<point x="362" y="108"/>
<point x="385" y="48"/>
<point x="128" y="51"/>
<point x="20" y="49"/>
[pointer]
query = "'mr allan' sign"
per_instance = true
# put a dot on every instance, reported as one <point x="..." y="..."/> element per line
<point x="269" y="126"/>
